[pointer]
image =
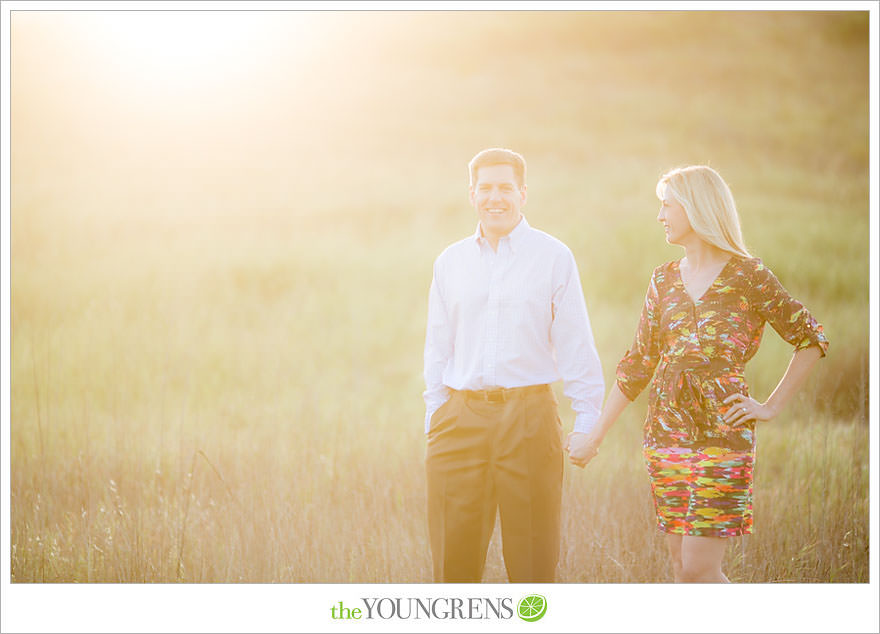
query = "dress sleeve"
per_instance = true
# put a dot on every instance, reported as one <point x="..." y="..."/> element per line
<point x="785" y="314"/>
<point x="637" y="366"/>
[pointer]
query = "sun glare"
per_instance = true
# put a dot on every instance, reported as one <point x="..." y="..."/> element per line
<point x="181" y="36"/>
<point x="179" y="44"/>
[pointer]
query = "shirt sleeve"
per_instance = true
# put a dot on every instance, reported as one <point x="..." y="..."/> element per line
<point x="572" y="339"/>
<point x="635" y="370"/>
<point x="438" y="350"/>
<point x="786" y="315"/>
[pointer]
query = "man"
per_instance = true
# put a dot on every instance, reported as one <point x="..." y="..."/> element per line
<point x="506" y="318"/>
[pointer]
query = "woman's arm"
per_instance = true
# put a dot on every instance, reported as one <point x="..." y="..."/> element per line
<point x="746" y="408"/>
<point x="633" y="373"/>
<point x="583" y="447"/>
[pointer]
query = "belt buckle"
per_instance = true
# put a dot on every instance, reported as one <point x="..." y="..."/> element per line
<point x="495" y="396"/>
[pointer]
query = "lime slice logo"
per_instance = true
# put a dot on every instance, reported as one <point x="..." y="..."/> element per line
<point x="532" y="607"/>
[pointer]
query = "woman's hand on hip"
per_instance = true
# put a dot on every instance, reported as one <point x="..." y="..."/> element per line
<point x="744" y="409"/>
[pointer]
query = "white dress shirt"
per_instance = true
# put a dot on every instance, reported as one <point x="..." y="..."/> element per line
<point x="510" y="318"/>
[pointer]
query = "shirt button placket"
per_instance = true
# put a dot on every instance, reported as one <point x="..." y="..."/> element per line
<point x="492" y="316"/>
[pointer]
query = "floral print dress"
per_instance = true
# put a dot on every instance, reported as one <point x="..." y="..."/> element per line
<point x="696" y="351"/>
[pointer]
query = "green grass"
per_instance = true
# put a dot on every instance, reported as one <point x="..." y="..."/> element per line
<point x="218" y="311"/>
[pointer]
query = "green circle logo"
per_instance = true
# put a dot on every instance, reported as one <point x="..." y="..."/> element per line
<point x="532" y="607"/>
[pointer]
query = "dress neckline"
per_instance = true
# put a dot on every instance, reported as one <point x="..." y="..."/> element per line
<point x="708" y="288"/>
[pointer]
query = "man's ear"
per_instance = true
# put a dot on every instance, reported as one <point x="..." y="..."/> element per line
<point x="524" y="193"/>
<point x="471" y="194"/>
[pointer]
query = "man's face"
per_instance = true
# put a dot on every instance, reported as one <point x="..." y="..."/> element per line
<point x="498" y="200"/>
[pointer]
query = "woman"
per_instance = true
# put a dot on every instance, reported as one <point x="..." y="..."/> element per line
<point x="702" y="321"/>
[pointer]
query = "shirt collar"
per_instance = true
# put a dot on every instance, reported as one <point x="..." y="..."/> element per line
<point x="516" y="236"/>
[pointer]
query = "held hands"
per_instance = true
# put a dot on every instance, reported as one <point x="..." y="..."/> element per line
<point x="744" y="408"/>
<point x="582" y="448"/>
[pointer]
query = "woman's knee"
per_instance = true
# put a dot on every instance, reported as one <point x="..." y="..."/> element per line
<point x="699" y="570"/>
<point x="691" y="573"/>
<point x="701" y="559"/>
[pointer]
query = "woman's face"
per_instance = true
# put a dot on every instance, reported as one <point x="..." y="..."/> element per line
<point x="674" y="219"/>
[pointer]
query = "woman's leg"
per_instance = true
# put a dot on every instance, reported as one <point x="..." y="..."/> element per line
<point x="701" y="559"/>
<point x="673" y="541"/>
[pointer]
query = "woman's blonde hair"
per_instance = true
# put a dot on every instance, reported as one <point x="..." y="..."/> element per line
<point x="709" y="205"/>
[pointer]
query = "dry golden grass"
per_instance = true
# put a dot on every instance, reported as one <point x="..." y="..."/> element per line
<point x="218" y="305"/>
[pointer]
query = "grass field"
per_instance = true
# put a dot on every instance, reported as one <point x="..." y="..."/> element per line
<point x="219" y="279"/>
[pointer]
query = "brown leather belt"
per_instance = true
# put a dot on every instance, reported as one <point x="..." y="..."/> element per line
<point x="503" y="394"/>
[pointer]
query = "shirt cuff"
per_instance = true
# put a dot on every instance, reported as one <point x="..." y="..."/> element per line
<point x="433" y="402"/>
<point x="584" y="423"/>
